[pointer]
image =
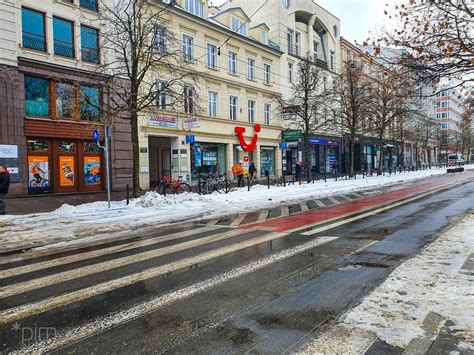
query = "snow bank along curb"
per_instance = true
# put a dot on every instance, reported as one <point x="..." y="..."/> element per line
<point x="432" y="282"/>
<point x="90" y="222"/>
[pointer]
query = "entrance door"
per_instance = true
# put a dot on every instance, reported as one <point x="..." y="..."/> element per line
<point x="165" y="162"/>
<point x="66" y="159"/>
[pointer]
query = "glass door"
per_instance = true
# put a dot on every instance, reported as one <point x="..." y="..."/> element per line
<point x="66" y="166"/>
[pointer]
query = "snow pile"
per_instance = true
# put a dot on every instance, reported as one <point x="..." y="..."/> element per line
<point x="431" y="282"/>
<point x="94" y="220"/>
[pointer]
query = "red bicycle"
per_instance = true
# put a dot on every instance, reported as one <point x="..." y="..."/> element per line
<point x="172" y="186"/>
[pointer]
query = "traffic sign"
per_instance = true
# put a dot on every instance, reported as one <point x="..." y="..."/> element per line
<point x="246" y="158"/>
<point x="96" y="135"/>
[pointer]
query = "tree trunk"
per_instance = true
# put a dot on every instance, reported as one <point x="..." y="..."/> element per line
<point x="136" y="154"/>
<point x="380" y="162"/>
<point x="352" y="157"/>
<point x="306" y="157"/>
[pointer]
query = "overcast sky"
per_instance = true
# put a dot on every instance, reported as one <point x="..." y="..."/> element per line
<point x="358" y="17"/>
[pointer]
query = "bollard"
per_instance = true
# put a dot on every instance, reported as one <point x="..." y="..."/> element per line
<point x="226" y="186"/>
<point x="284" y="180"/>
<point x="199" y="185"/>
<point x="164" y="188"/>
<point x="128" y="194"/>
<point x="267" y="174"/>
<point x="248" y="183"/>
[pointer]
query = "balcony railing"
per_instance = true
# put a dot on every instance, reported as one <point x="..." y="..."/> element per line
<point x="90" y="55"/>
<point x="64" y="49"/>
<point x="294" y="50"/>
<point x="34" y="41"/>
<point x="89" y="4"/>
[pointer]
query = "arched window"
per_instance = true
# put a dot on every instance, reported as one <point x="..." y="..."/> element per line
<point x="335" y="30"/>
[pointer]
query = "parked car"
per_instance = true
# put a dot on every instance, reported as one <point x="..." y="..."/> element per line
<point x="455" y="160"/>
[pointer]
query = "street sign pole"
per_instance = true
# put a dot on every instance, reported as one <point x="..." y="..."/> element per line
<point x="105" y="147"/>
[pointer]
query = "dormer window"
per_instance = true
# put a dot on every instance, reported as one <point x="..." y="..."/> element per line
<point x="195" y="7"/>
<point x="264" y="37"/>
<point x="239" y="26"/>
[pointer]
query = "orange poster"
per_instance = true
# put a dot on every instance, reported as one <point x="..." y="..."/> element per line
<point x="66" y="172"/>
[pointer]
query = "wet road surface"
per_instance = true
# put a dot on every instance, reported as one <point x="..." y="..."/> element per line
<point x="267" y="285"/>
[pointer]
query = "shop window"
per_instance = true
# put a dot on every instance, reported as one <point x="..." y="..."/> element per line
<point x="36" y="96"/>
<point x="33" y="30"/>
<point x="267" y="160"/>
<point x="90" y="103"/>
<point x="64" y="100"/>
<point x="91" y="147"/>
<point x="66" y="146"/>
<point x="38" y="145"/>
<point x="63" y="37"/>
<point x="90" y="44"/>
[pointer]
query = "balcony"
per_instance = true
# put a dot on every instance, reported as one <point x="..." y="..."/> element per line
<point x="89" y="4"/>
<point x="34" y="41"/>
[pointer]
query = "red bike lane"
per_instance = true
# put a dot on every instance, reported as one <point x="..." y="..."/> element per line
<point x="325" y="214"/>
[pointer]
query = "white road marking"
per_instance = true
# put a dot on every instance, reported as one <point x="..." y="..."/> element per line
<point x="320" y="203"/>
<point x="236" y="222"/>
<point x="285" y="211"/>
<point x="121" y="317"/>
<point x="333" y="200"/>
<point x="304" y="207"/>
<point x="263" y="216"/>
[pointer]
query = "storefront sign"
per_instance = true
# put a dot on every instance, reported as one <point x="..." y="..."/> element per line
<point x="191" y="122"/>
<point x="292" y="134"/>
<point x="321" y="141"/>
<point x="8" y="151"/>
<point x="283" y="145"/>
<point x="66" y="174"/>
<point x="248" y="147"/>
<point x="92" y="171"/>
<point x="163" y="121"/>
<point x="38" y="172"/>
<point x="190" y="139"/>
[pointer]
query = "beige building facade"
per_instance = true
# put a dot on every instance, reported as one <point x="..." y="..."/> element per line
<point x="237" y="87"/>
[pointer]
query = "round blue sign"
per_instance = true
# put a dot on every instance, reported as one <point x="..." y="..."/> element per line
<point x="96" y="135"/>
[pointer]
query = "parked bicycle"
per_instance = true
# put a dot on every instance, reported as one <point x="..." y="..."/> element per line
<point x="220" y="184"/>
<point x="168" y="185"/>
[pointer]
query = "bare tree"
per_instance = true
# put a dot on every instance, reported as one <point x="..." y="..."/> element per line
<point x="310" y="99"/>
<point x="146" y="67"/>
<point x="437" y="38"/>
<point x="466" y="130"/>
<point x="391" y="94"/>
<point x="352" y="102"/>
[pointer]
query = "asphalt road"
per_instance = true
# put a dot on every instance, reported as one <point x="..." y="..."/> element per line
<point x="215" y="288"/>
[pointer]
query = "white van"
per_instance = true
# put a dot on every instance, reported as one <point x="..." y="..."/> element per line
<point x="455" y="160"/>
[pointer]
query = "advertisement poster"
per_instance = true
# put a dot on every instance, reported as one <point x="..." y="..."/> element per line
<point x="91" y="171"/>
<point x="66" y="172"/>
<point x="191" y="122"/>
<point x="38" y="172"/>
<point x="209" y="158"/>
<point x="163" y="121"/>
<point x="197" y="155"/>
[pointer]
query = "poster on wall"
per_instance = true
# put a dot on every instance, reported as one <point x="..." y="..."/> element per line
<point x="38" y="173"/>
<point x="163" y="121"/>
<point x="66" y="173"/>
<point x="92" y="171"/>
<point x="197" y="155"/>
<point x="209" y="158"/>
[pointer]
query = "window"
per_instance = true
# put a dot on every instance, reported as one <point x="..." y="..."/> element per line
<point x="266" y="74"/>
<point x="36" y="96"/>
<point x="89" y="4"/>
<point x="33" y="29"/>
<point x="90" y="102"/>
<point x="290" y="72"/>
<point x="188" y="100"/>
<point x="211" y="56"/>
<point x="251" y="111"/>
<point x="195" y="7"/>
<point x="332" y="60"/>
<point x="159" y="39"/>
<point x="90" y="44"/>
<point x="286" y="3"/>
<point x="297" y="43"/>
<point x="64" y="100"/>
<point x="63" y="32"/>
<point x="315" y="50"/>
<point x="233" y="107"/>
<point x="250" y="69"/>
<point x="267" y="108"/>
<point x="289" y="37"/>
<point x="232" y="63"/>
<point x="334" y="29"/>
<point x="188" y="44"/>
<point x="160" y="87"/>
<point x="239" y="26"/>
<point x="212" y="103"/>
<point x="264" y="37"/>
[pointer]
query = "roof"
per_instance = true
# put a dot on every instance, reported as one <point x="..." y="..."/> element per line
<point x="232" y="9"/>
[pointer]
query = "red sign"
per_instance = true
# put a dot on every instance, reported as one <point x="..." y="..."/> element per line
<point x="248" y="147"/>
<point x="246" y="158"/>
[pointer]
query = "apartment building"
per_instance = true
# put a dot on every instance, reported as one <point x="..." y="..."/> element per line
<point x="51" y="99"/>
<point x="302" y="29"/>
<point x="230" y="109"/>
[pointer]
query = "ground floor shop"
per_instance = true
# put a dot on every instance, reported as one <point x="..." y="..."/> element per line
<point x="166" y="149"/>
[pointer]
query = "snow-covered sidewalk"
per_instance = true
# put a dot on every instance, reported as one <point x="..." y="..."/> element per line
<point x="77" y="224"/>
<point x="438" y="281"/>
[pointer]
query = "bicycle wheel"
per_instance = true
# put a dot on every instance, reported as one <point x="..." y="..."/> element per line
<point x="201" y="188"/>
<point x="225" y="186"/>
<point x="183" y="187"/>
<point x="254" y="181"/>
<point x="164" y="188"/>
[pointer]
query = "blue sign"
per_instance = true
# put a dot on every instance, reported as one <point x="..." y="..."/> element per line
<point x="96" y="135"/>
<point x="190" y="138"/>
<point x="283" y="145"/>
<point x="321" y="141"/>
